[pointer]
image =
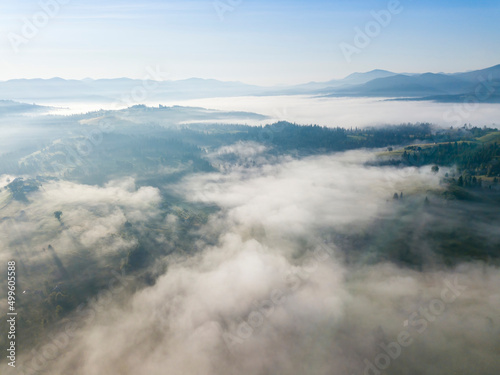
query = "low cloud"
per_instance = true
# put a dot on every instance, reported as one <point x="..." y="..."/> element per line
<point x="92" y="218"/>
<point x="272" y="294"/>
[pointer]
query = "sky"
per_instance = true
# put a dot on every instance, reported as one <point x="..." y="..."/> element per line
<point x="264" y="42"/>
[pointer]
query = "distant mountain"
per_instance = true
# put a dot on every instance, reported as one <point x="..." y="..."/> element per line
<point x="494" y="98"/>
<point x="109" y="90"/>
<point x="478" y="76"/>
<point x="375" y="83"/>
<point x="326" y="87"/>
<point x="360" y="78"/>
<point x="120" y="89"/>
<point x="439" y="87"/>
<point x="403" y="85"/>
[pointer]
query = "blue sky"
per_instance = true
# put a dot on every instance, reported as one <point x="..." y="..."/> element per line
<point x="263" y="42"/>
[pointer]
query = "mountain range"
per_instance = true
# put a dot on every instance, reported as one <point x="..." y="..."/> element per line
<point x="478" y="86"/>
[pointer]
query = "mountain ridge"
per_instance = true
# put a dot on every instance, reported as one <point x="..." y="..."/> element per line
<point x="374" y="83"/>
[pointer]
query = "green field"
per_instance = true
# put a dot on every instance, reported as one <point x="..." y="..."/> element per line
<point x="490" y="138"/>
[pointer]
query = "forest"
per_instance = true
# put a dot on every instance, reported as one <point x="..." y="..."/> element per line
<point x="64" y="274"/>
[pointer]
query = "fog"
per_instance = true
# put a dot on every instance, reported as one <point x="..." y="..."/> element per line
<point x="332" y="112"/>
<point x="91" y="220"/>
<point x="270" y="292"/>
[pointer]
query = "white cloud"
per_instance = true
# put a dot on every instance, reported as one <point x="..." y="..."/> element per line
<point x="261" y="301"/>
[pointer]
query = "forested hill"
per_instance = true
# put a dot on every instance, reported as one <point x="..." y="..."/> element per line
<point x="476" y="156"/>
<point x="291" y="136"/>
<point x="139" y="147"/>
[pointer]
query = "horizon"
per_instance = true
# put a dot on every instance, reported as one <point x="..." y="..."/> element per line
<point x="247" y="83"/>
<point x="257" y="42"/>
<point x="250" y="187"/>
